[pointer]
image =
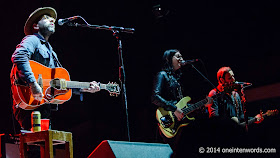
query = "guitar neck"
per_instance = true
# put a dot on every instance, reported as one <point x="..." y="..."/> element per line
<point x="195" y="106"/>
<point x="62" y="84"/>
<point x="77" y="84"/>
<point x="192" y="107"/>
<point x="251" y="121"/>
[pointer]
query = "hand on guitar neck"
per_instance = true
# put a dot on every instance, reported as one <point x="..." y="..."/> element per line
<point x="94" y="87"/>
<point x="259" y="118"/>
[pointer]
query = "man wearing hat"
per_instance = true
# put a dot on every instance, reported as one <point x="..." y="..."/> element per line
<point x="35" y="46"/>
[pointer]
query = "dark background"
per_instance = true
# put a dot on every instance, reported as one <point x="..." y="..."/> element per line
<point x="242" y="35"/>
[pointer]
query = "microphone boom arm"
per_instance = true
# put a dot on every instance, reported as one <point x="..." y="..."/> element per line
<point x="104" y="27"/>
<point x="97" y="27"/>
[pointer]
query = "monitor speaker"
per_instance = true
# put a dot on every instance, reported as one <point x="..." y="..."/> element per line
<point x="122" y="149"/>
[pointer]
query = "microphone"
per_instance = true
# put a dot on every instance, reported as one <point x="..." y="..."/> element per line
<point x="185" y="62"/>
<point x="66" y="20"/>
<point x="243" y="83"/>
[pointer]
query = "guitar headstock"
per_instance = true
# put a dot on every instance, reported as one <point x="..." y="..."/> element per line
<point x="272" y="112"/>
<point x="113" y="88"/>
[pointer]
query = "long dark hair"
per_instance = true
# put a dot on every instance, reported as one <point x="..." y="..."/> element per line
<point x="167" y="62"/>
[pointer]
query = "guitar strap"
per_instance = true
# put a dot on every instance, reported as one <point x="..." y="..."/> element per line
<point x="171" y="81"/>
<point x="54" y="107"/>
<point x="235" y="102"/>
<point x="179" y="90"/>
<point x="56" y="60"/>
<point x="57" y="63"/>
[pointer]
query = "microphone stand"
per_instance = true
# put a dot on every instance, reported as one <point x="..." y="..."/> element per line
<point x="205" y="77"/>
<point x="122" y="79"/>
<point x="244" y="108"/>
<point x="116" y="30"/>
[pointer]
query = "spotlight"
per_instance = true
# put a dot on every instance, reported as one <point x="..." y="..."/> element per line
<point x="159" y="11"/>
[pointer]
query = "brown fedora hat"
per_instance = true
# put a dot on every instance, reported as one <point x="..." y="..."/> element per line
<point x="34" y="17"/>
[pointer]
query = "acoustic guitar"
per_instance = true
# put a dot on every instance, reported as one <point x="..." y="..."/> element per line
<point x="55" y="83"/>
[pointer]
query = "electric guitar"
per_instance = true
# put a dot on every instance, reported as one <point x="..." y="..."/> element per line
<point x="268" y="113"/>
<point x="167" y="121"/>
<point x="55" y="83"/>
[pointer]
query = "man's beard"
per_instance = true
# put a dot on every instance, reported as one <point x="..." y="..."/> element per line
<point x="229" y="87"/>
<point x="48" y="30"/>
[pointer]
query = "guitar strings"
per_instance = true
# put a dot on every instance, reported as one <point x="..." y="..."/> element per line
<point x="192" y="107"/>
